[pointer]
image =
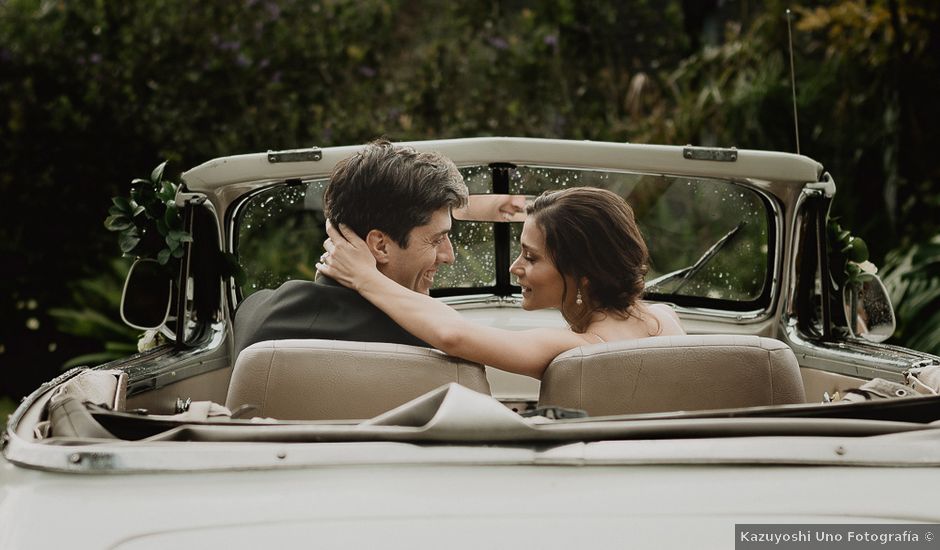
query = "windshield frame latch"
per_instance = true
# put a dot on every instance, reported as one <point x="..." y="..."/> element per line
<point x="717" y="154"/>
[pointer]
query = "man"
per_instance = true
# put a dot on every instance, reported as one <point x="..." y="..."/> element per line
<point x="399" y="201"/>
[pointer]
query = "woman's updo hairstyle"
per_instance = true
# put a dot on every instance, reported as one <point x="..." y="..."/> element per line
<point x="591" y="233"/>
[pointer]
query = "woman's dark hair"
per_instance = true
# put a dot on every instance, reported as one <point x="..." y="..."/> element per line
<point x="591" y="233"/>
<point x="392" y="188"/>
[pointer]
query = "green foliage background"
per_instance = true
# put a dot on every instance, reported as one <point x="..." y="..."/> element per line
<point x="95" y="92"/>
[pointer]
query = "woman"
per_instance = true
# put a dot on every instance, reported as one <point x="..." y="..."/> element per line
<point x="582" y="253"/>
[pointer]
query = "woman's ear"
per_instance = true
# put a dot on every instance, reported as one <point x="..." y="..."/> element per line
<point x="378" y="243"/>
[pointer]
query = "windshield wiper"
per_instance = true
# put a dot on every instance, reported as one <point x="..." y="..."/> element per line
<point x="686" y="273"/>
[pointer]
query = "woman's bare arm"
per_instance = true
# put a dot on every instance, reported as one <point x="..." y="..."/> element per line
<point x="528" y="352"/>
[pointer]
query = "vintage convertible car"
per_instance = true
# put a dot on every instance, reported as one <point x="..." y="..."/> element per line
<point x="780" y="406"/>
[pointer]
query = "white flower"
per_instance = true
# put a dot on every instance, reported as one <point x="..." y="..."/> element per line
<point x="868" y="267"/>
<point x="148" y="340"/>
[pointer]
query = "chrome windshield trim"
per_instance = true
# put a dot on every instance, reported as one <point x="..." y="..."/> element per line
<point x="796" y="236"/>
<point x="853" y="358"/>
<point x="176" y="366"/>
<point x="741" y="317"/>
<point x="780" y="226"/>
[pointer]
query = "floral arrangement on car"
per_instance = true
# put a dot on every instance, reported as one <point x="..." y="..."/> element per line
<point x="149" y="225"/>
<point x="848" y="256"/>
<point x="148" y="222"/>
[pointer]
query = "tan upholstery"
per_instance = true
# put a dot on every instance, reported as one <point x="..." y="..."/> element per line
<point x="332" y="379"/>
<point x="672" y="373"/>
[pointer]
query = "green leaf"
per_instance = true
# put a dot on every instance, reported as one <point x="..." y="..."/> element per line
<point x="118" y="223"/>
<point x="926" y="254"/>
<point x="89" y="323"/>
<point x="180" y="236"/>
<point x="859" y="251"/>
<point x="167" y="192"/>
<point x="164" y="256"/>
<point x="157" y="175"/>
<point x="162" y="228"/>
<point x="144" y="194"/>
<point x="128" y="240"/>
<point x="178" y="253"/>
<point x="125" y="205"/>
<point x="927" y="337"/>
<point x="155" y="210"/>
<point x="171" y="217"/>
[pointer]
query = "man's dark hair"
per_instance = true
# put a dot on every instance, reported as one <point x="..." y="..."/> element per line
<point x="392" y="188"/>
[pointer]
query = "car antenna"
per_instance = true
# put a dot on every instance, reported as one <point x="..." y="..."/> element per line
<point x="796" y="120"/>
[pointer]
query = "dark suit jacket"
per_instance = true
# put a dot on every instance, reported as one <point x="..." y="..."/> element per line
<point x="320" y="309"/>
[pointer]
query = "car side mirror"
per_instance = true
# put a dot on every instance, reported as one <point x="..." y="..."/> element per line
<point x="145" y="302"/>
<point x="868" y="309"/>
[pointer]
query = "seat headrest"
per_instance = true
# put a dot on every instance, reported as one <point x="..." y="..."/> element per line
<point x="673" y="373"/>
<point x="334" y="379"/>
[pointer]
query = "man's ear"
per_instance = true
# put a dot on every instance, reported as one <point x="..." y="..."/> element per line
<point x="378" y="243"/>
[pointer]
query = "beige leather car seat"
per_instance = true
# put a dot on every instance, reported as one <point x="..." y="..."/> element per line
<point x="331" y="379"/>
<point x="673" y="373"/>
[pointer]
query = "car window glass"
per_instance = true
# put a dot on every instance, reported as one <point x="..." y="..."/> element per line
<point x="475" y="253"/>
<point x="474" y="247"/>
<point x="681" y="218"/>
<point x="279" y="231"/>
<point x="279" y="234"/>
<point x="479" y="179"/>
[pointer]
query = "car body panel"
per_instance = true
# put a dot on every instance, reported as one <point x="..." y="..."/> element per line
<point x="424" y="506"/>
<point x="474" y="473"/>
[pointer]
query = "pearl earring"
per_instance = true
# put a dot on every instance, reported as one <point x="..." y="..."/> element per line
<point x="577" y="299"/>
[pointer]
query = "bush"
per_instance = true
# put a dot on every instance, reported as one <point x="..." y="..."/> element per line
<point x="96" y="92"/>
<point x="912" y="277"/>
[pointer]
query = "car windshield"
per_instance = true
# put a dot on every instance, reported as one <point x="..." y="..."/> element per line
<point x="710" y="240"/>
